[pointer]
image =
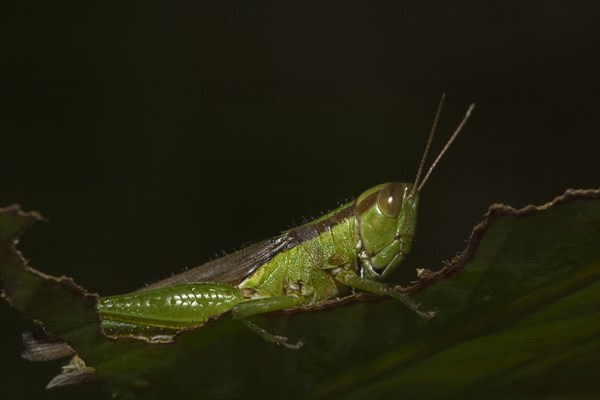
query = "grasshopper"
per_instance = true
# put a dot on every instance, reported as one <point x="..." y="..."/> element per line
<point x="353" y="247"/>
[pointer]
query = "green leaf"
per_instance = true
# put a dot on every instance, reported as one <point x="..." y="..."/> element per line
<point x="518" y="315"/>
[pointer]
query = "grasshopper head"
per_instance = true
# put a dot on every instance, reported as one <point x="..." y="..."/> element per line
<point x="387" y="214"/>
<point x="387" y="217"/>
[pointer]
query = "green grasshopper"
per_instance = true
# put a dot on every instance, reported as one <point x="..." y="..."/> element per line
<point x="351" y="248"/>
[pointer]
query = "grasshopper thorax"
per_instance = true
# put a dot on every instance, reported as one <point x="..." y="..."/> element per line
<point x="387" y="218"/>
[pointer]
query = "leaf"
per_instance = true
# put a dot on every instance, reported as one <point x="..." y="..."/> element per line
<point x="518" y="315"/>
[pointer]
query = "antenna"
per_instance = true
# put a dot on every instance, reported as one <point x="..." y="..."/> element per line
<point x="429" y="140"/>
<point x="454" y="135"/>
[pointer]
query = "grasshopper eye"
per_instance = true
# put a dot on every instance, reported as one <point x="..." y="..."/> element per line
<point x="390" y="199"/>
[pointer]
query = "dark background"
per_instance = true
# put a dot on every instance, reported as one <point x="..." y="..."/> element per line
<point x="153" y="135"/>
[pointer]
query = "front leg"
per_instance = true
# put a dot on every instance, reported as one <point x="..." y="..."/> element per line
<point x="350" y="278"/>
<point x="246" y="309"/>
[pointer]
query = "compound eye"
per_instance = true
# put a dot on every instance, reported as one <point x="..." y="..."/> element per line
<point x="390" y="199"/>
